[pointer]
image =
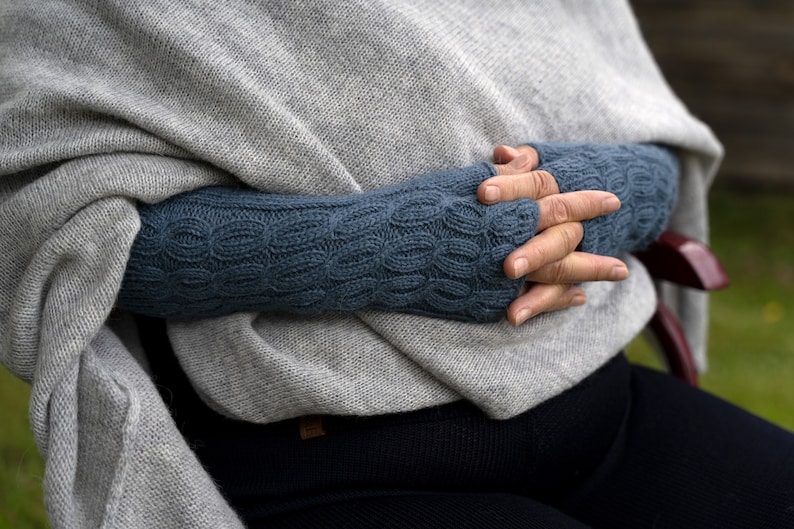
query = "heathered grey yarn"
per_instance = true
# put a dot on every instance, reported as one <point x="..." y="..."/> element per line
<point x="105" y="103"/>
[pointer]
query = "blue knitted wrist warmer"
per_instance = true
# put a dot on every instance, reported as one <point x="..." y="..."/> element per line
<point x="425" y="247"/>
<point x="643" y="176"/>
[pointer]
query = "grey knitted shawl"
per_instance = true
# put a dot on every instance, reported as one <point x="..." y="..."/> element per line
<point x="107" y="103"/>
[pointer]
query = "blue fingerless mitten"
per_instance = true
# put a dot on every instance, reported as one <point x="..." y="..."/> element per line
<point x="425" y="247"/>
<point x="643" y="176"/>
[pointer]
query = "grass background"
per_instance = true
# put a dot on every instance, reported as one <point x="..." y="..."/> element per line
<point x="751" y="347"/>
<point x="751" y="337"/>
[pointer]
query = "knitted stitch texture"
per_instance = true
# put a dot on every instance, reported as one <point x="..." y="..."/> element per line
<point x="107" y="104"/>
<point x="424" y="247"/>
<point x="643" y="176"/>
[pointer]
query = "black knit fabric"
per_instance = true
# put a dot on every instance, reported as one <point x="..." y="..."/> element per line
<point x="627" y="448"/>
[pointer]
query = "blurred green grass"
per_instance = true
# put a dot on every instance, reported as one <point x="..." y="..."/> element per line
<point x="21" y="467"/>
<point x="751" y="340"/>
<point x="752" y="330"/>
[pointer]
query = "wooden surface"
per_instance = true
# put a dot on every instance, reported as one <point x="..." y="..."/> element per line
<point x="732" y="62"/>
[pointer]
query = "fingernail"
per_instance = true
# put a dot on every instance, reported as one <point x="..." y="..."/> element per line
<point x="520" y="267"/>
<point x="611" y="204"/>
<point x="522" y="316"/>
<point x="520" y="162"/>
<point x="492" y="193"/>
<point x="578" y="299"/>
<point x="619" y="273"/>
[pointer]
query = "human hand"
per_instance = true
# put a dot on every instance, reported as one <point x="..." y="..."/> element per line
<point x="549" y="260"/>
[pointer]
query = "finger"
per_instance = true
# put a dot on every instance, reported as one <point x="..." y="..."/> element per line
<point x="544" y="248"/>
<point x="575" y="206"/>
<point x="523" y="163"/>
<point x="573" y="297"/>
<point x="504" y="154"/>
<point x="580" y="267"/>
<point x="507" y="187"/>
<point x="543" y="298"/>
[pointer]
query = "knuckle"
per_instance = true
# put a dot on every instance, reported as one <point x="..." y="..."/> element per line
<point x="515" y="186"/>
<point x="525" y="149"/>
<point x="521" y="187"/>
<point x="575" y="232"/>
<point x="582" y="208"/>
<point x="547" y="183"/>
<point x="502" y="169"/>
<point x="497" y="154"/>
<point x="557" y="272"/>
<point x="539" y="255"/>
<point x="565" y="298"/>
<point x="567" y="235"/>
<point x="560" y="288"/>
<point x="595" y="270"/>
<point x="603" y="269"/>
<point x="559" y="210"/>
<point x="567" y="271"/>
<point x="592" y="270"/>
<point x="531" y="152"/>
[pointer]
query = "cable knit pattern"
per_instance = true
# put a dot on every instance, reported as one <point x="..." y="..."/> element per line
<point x="643" y="176"/>
<point x="424" y="247"/>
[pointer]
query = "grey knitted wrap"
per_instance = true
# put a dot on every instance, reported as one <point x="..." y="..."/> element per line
<point x="103" y="104"/>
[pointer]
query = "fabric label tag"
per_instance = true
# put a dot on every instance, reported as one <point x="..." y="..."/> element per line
<point x="311" y="426"/>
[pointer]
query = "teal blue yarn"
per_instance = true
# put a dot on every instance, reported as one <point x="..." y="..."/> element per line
<point x="425" y="247"/>
<point x="643" y="176"/>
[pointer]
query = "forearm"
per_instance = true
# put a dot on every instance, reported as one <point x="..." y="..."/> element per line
<point x="643" y="176"/>
<point x="424" y="247"/>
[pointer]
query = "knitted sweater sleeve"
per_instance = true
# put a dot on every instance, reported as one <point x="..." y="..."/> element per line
<point x="424" y="247"/>
<point x="643" y="176"/>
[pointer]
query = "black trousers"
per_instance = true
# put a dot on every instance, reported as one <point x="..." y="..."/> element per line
<point x="626" y="448"/>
